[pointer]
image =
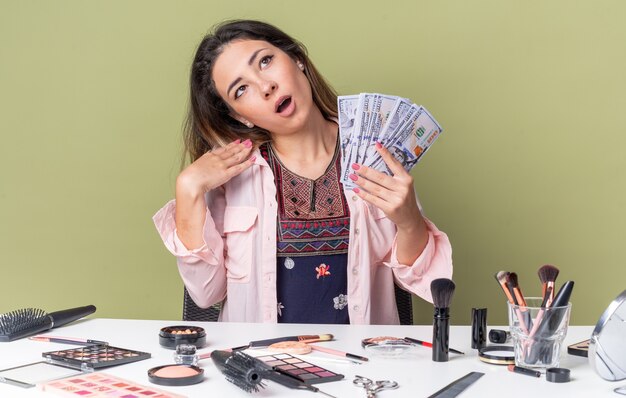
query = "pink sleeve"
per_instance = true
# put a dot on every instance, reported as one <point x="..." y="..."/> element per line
<point x="434" y="262"/>
<point x="201" y="269"/>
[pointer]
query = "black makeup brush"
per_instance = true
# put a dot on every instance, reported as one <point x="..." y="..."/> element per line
<point x="26" y="322"/>
<point x="547" y="276"/>
<point x="442" y="290"/>
<point x="247" y="372"/>
<point x="548" y="323"/>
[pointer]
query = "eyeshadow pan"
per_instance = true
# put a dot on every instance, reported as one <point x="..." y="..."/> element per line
<point x="308" y="376"/>
<point x="314" y="369"/>
<point x="275" y="363"/>
<point x="292" y="360"/>
<point x="287" y="367"/>
<point x="282" y="356"/>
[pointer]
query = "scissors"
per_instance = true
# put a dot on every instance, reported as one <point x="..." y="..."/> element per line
<point x="372" y="387"/>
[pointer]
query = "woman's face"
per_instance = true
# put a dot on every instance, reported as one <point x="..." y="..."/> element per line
<point x="263" y="85"/>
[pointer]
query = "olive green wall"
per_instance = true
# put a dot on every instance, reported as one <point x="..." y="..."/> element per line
<point x="529" y="169"/>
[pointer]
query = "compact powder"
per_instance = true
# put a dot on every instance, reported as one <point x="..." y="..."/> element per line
<point x="497" y="355"/>
<point x="175" y="371"/>
<point x="172" y="336"/>
<point x="176" y="375"/>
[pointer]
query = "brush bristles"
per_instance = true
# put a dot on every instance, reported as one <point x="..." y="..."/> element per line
<point x="502" y="276"/>
<point x="442" y="290"/>
<point x="240" y="369"/>
<point x="18" y="320"/>
<point x="548" y="273"/>
<point x="513" y="280"/>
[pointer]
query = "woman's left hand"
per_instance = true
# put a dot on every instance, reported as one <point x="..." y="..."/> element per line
<point x="394" y="195"/>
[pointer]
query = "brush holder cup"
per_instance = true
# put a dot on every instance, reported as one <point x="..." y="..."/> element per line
<point x="538" y="333"/>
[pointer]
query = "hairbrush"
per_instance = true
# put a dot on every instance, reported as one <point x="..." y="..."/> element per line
<point x="247" y="372"/>
<point x="25" y="322"/>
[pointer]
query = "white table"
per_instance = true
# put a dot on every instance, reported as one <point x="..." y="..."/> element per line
<point x="417" y="375"/>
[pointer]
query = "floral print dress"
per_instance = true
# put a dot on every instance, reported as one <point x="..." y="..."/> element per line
<point x="312" y="244"/>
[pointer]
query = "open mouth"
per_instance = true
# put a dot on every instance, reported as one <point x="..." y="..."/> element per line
<point x="283" y="103"/>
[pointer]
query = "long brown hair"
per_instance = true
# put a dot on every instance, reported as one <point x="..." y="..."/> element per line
<point x="208" y="123"/>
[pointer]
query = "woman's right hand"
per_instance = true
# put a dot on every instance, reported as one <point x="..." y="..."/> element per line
<point x="209" y="171"/>
<point x="215" y="168"/>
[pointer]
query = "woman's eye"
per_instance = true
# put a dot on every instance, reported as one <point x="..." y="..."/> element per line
<point x="239" y="91"/>
<point x="265" y="60"/>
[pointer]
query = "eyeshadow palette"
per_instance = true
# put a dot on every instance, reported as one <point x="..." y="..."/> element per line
<point x="580" y="349"/>
<point x="299" y="369"/>
<point x="103" y="385"/>
<point x="95" y="356"/>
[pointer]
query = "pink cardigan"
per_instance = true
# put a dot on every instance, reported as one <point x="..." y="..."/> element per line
<point x="238" y="258"/>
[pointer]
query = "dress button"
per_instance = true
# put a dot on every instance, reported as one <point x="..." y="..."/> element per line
<point x="354" y="198"/>
<point x="356" y="308"/>
<point x="356" y="230"/>
<point x="355" y="271"/>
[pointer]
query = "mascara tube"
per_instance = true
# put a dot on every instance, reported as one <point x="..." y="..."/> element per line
<point x="441" y="334"/>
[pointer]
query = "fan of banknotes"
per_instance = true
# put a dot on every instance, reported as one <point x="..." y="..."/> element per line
<point x="406" y="129"/>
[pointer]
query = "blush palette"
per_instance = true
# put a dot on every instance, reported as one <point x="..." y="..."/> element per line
<point x="299" y="369"/>
<point x="103" y="385"/>
<point x="95" y="356"/>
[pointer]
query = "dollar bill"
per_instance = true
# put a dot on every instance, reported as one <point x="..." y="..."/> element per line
<point x="382" y="105"/>
<point x="346" y="109"/>
<point x="407" y="130"/>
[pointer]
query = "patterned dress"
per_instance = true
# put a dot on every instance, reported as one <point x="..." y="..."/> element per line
<point x="312" y="239"/>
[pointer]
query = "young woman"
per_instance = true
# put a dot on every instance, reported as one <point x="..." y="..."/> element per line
<point x="260" y="219"/>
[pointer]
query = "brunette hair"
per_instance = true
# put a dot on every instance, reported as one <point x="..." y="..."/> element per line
<point x="208" y="123"/>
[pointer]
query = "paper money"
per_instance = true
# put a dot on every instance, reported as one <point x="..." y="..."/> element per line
<point x="407" y="130"/>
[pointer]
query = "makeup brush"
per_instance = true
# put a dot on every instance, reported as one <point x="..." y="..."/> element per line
<point x="247" y="372"/>
<point x="26" y="322"/>
<point x="548" y="322"/>
<point x="547" y="276"/>
<point x="517" y="290"/>
<point x="519" y="298"/>
<point x="501" y="278"/>
<point x="309" y="338"/>
<point x="442" y="290"/>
